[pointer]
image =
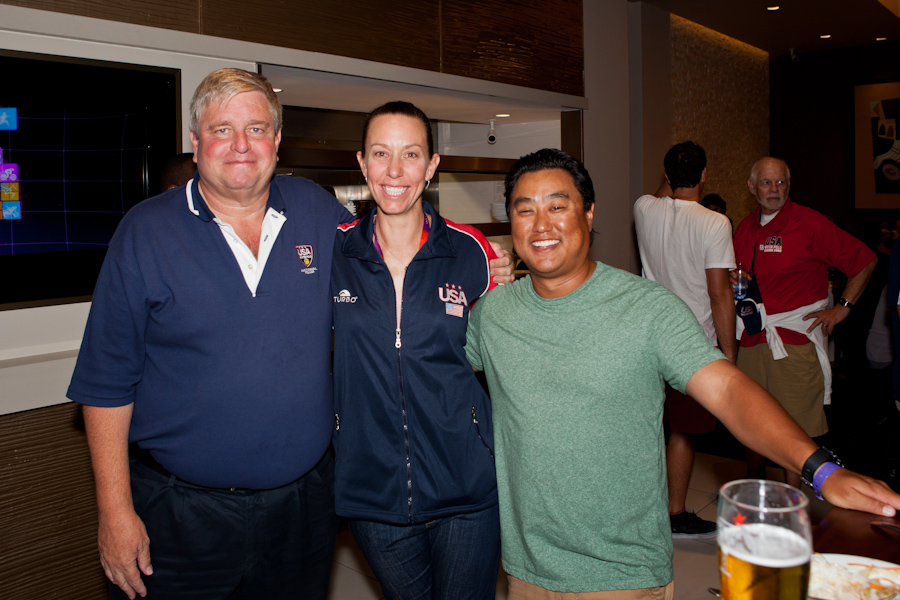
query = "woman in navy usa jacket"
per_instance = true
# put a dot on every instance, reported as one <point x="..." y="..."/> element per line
<point x="414" y="467"/>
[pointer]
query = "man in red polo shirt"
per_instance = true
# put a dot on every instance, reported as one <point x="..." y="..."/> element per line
<point x="790" y="248"/>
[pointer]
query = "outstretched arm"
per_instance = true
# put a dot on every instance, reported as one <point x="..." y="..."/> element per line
<point x="122" y="539"/>
<point x="760" y="423"/>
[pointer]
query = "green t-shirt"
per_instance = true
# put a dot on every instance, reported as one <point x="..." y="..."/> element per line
<point x="577" y="388"/>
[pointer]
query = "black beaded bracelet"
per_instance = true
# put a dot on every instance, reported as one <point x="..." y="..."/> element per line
<point x="819" y="457"/>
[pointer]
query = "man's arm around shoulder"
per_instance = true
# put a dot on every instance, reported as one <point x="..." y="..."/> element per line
<point x="760" y="423"/>
<point x="122" y="538"/>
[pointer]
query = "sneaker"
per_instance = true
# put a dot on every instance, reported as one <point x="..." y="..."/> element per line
<point x="687" y="525"/>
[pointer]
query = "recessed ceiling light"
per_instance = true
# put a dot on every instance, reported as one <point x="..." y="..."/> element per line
<point x="502" y="115"/>
<point x="772" y="7"/>
<point x="881" y="39"/>
<point x="826" y="36"/>
<point x="276" y="90"/>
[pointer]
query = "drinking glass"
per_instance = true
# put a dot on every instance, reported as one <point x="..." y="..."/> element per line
<point x="741" y="282"/>
<point x="765" y="541"/>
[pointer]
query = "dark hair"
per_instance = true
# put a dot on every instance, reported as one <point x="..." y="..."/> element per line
<point x="551" y="158"/>
<point x="177" y="171"/>
<point x="398" y="107"/>
<point x="714" y="200"/>
<point x="684" y="164"/>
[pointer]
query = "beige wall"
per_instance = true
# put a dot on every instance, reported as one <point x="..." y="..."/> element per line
<point x="720" y="99"/>
<point x="605" y="127"/>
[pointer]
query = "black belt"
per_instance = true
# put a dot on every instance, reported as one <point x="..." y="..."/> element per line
<point x="145" y="458"/>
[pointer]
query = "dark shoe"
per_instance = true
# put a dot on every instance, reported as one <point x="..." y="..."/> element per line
<point x="687" y="525"/>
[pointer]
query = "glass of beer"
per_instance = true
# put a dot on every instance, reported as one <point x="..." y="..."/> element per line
<point x="765" y="541"/>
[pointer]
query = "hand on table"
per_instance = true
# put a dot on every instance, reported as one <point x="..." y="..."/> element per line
<point x="125" y="551"/>
<point x="847" y="489"/>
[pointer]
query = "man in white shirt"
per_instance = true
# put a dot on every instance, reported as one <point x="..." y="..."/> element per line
<point x="687" y="248"/>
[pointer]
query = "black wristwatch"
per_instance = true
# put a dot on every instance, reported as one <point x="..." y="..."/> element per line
<point x="812" y="464"/>
<point x="845" y="302"/>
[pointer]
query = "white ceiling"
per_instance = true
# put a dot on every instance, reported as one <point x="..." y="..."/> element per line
<point x="317" y="89"/>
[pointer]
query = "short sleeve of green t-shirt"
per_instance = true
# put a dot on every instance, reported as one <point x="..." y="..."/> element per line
<point x="680" y="345"/>
<point x="473" y="345"/>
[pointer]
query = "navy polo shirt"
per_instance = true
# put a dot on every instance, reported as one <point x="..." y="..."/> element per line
<point x="229" y="390"/>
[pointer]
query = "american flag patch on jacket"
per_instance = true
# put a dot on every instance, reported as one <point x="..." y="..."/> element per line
<point x="454" y="309"/>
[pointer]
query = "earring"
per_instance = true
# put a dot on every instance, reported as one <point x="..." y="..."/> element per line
<point x="427" y="183"/>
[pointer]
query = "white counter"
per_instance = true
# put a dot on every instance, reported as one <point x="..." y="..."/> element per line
<point x="38" y="347"/>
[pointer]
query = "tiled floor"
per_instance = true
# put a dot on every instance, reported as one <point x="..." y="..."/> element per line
<point x="695" y="561"/>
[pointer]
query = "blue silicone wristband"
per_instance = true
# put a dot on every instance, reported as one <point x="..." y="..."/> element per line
<point x="822" y="474"/>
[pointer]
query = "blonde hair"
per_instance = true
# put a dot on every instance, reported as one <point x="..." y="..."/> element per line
<point x="220" y="86"/>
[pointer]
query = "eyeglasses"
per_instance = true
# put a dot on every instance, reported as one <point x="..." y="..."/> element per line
<point x="779" y="183"/>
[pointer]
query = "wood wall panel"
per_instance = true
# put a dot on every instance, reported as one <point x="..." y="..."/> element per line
<point x="48" y="515"/>
<point x="180" y="15"/>
<point x="538" y="45"/>
<point x="398" y="33"/>
<point x="533" y="44"/>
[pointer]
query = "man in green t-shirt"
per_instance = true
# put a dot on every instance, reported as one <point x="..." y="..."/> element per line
<point x="576" y="356"/>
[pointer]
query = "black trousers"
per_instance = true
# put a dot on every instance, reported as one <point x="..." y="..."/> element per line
<point x="242" y="545"/>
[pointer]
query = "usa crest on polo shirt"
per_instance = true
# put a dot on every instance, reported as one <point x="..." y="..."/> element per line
<point x="305" y="254"/>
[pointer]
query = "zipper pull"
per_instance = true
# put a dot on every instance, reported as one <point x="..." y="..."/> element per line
<point x="337" y="422"/>
<point x="474" y="420"/>
<point x="397" y="342"/>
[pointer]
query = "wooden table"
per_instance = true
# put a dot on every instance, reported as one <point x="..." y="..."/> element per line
<point x="850" y="532"/>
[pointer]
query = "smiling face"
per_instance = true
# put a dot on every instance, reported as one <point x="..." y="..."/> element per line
<point x="770" y="183"/>
<point x="551" y="231"/>
<point x="236" y="147"/>
<point x="396" y="162"/>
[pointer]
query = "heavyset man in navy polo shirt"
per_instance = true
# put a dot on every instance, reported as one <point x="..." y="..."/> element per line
<point x="207" y="348"/>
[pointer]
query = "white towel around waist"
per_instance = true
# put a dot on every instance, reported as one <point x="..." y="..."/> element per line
<point x="793" y="320"/>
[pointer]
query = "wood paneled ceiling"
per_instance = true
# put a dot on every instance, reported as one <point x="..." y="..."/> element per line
<point x="797" y="24"/>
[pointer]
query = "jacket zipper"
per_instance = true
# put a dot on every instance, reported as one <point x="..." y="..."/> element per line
<point x="397" y="345"/>
<point x="478" y="431"/>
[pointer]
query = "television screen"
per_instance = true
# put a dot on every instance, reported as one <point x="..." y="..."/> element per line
<point x="81" y="142"/>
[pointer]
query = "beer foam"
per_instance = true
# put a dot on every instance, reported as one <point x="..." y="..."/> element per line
<point x="765" y="545"/>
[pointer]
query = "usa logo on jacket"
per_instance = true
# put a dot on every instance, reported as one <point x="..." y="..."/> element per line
<point x="454" y="299"/>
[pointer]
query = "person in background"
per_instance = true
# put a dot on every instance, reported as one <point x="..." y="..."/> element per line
<point x="413" y="436"/>
<point x="576" y="355"/>
<point x="790" y="248"/>
<point x="893" y="300"/>
<point x="178" y="170"/>
<point x="688" y="249"/>
<point x="715" y="203"/>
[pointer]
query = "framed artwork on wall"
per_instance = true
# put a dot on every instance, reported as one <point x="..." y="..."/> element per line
<point x="876" y="116"/>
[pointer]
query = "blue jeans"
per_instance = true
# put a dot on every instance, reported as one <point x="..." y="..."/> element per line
<point x="454" y="558"/>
